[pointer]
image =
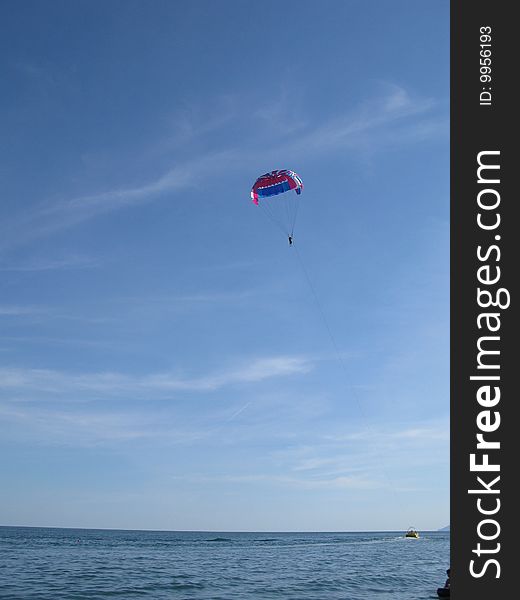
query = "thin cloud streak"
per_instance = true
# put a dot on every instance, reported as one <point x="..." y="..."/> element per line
<point x="93" y="428"/>
<point x="57" y="382"/>
<point x="144" y="305"/>
<point x="55" y="217"/>
<point x="396" y="107"/>
<point x="344" y="482"/>
<point x="20" y="311"/>
<point x="40" y="264"/>
<point x="420" y="432"/>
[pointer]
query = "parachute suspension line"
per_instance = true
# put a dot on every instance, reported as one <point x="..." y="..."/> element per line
<point x="291" y="211"/>
<point x="288" y="206"/>
<point x="339" y="355"/>
<point x="295" y="214"/>
<point x="268" y="211"/>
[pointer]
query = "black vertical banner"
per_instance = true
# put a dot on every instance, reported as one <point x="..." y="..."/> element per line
<point x="485" y="266"/>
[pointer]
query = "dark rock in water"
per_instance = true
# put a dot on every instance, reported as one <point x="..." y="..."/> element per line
<point x="443" y="592"/>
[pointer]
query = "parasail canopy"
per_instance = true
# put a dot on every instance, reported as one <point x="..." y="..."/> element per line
<point x="274" y="183"/>
<point x="268" y="192"/>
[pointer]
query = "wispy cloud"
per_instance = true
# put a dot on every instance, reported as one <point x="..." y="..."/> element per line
<point x="343" y="482"/>
<point x="59" y="382"/>
<point x="365" y="451"/>
<point x="190" y="123"/>
<point x="90" y="408"/>
<point x="53" y="217"/>
<point x="50" y="264"/>
<point x="175" y="302"/>
<point x="420" y="432"/>
<point x="283" y="113"/>
<point x="372" y="123"/>
<point x="87" y="427"/>
<point x="20" y="311"/>
<point x="36" y="313"/>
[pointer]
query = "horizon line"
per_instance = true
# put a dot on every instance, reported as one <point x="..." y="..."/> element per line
<point x="221" y="530"/>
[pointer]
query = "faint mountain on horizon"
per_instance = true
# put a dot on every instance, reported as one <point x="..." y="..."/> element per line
<point x="447" y="528"/>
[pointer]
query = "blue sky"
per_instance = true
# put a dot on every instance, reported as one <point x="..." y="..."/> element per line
<point x="167" y="361"/>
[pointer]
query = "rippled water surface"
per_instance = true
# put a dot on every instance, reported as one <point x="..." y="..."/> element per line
<point x="43" y="563"/>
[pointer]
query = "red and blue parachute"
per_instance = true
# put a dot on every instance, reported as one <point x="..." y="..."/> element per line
<point x="274" y="183"/>
<point x="281" y="210"/>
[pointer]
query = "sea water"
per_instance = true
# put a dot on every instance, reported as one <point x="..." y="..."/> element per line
<point x="48" y="563"/>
